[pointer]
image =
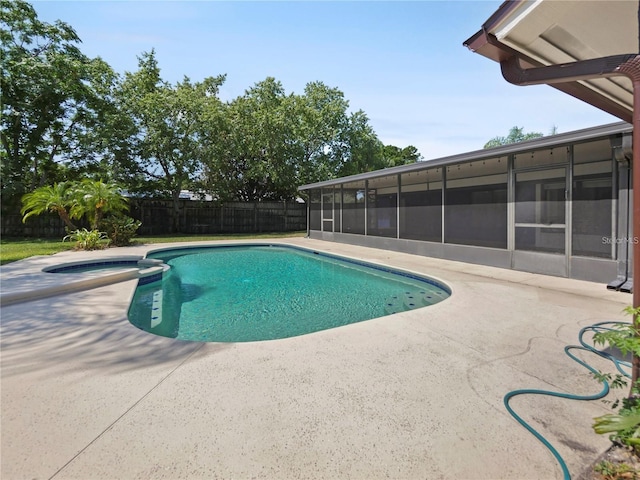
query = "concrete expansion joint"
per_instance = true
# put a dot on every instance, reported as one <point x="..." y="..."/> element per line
<point x="127" y="411"/>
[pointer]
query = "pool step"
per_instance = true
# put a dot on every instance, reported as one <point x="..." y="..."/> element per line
<point x="156" y="309"/>
<point x="431" y="297"/>
<point x="413" y="300"/>
<point x="406" y="301"/>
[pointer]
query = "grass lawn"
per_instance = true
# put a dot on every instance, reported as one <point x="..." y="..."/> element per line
<point x="13" y="249"/>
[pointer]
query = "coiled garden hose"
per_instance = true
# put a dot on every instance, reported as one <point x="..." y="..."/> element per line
<point x="620" y="366"/>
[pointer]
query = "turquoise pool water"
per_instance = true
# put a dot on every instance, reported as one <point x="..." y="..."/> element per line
<point x="264" y="292"/>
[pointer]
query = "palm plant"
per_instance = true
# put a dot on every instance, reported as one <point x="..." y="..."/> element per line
<point x="96" y="198"/>
<point x="57" y="198"/>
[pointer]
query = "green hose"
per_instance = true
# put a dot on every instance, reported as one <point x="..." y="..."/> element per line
<point x="620" y="364"/>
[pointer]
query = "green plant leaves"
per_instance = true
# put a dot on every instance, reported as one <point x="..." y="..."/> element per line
<point x="615" y="423"/>
<point x="87" y="239"/>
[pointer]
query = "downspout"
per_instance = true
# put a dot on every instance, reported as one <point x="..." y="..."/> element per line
<point x="627" y="65"/>
<point x="622" y="153"/>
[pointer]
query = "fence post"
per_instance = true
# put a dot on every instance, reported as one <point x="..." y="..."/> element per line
<point x="286" y="217"/>
<point x="255" y="216"/>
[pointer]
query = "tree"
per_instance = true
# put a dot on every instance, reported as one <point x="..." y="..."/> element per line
<point x="167" y="130"/>
<point x="73" y="200"/>
<point x="95" y="199"/>
<point x="253" y="155"/>
<point x="320" y="128"/>
<point x="271" y="143"/>
<point x="58" y="198"/>
<point x="394" y="156"/>
<point x="515" y="135"/>
<point x="50" y="98"/>
<point x="364" y="151"/>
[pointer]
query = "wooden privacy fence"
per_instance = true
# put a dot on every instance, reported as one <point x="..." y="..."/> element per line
<point x="194" y="217"/>
<point x="233" y="217"/>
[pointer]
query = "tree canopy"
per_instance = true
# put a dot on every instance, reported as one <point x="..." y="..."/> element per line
<point x="52" y="95"/>
<point x="69" y="117"/>
<point x="516" y="134"/>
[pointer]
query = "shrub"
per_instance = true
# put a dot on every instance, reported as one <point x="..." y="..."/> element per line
<point x="87" y="239"/>
<point x="120" y="229"/>
<point x="624" y="426"/>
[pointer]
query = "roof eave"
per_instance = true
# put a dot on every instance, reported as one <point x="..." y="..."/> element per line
<point x="552" y="141"/>
<point x="489" y="46"/>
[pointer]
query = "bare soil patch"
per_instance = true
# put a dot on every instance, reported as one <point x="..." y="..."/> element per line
<point x="618" y="456"/>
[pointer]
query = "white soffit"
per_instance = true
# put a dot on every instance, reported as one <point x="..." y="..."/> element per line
<point x="560" y="31"/>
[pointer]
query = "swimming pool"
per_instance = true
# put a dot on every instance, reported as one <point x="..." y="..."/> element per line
<point x="263" y="292"/>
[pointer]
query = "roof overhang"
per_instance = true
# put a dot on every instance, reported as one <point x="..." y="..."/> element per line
<point x="588" y="49"/>
<point x="618" y="129"/>
<point x="542" y="33"/>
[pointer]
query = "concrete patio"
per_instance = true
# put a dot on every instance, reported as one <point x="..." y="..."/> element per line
<point x="416" y="395"/>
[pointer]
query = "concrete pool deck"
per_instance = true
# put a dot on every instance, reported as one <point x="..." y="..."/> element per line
<point x="415" y="395"/>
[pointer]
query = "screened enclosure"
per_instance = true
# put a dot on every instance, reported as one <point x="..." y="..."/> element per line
<point x="549" y="205"/>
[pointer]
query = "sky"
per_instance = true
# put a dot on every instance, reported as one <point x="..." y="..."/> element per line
<point x="402" y="63"/>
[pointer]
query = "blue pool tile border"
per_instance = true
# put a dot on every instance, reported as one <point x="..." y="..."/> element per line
<point x="150" y="279"/>
<point x="84" y="266"/>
